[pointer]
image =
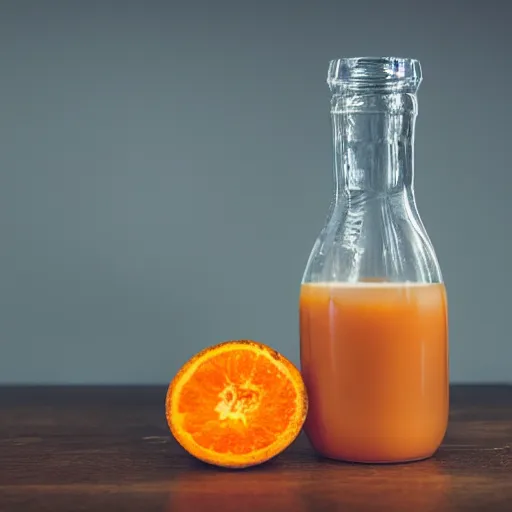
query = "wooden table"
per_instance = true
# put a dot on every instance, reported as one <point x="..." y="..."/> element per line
<point x="90" y="448"/>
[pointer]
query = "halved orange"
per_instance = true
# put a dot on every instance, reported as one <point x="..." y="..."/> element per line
<point x="236" y="404"/>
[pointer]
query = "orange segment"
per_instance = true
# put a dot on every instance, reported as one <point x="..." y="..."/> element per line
<point x="236" y="404"/>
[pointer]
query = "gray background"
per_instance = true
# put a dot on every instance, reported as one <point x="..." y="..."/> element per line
<point x="166" y="166"/>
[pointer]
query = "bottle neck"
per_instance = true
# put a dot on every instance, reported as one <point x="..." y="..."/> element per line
<point x="373" y="143"/>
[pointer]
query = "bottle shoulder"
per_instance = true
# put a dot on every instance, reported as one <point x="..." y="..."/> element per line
<point x="373" y="237"/>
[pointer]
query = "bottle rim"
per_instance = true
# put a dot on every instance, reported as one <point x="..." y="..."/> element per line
<point x="378" y="74"/>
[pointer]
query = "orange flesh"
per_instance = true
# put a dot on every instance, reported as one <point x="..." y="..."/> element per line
<point x="375" y="362"/>
<point x="236" y="404"/>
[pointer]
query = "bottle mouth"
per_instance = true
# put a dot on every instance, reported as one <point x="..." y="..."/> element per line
<point x="374" y="74"/>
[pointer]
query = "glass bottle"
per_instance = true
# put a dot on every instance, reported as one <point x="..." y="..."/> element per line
<point x="373" y="310"/>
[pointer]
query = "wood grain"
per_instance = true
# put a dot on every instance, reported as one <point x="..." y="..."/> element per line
<point x="93" y="448"/>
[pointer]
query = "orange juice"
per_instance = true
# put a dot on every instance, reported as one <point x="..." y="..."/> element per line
<point x="374" y="359"/>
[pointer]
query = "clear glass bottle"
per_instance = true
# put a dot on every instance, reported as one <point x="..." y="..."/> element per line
<point x="373" y="310"/>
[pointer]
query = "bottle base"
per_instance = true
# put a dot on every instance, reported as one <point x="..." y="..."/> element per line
<point x="374" y="449"/>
